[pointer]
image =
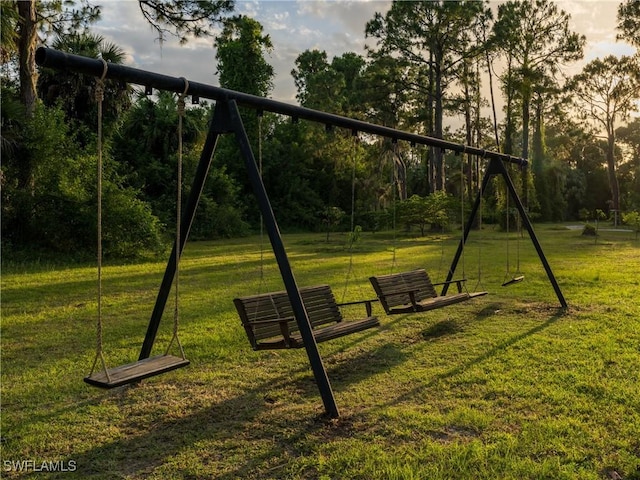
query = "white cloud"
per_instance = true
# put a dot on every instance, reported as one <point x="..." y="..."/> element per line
<point x="605" y="47"/>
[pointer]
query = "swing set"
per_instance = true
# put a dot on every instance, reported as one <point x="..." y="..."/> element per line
<point x="292" y="307"/>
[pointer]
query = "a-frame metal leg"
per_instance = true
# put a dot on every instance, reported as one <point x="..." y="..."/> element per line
<point x="496" y="167"/>
<point x="226" y="119"/>
<point x="288" y="278"/>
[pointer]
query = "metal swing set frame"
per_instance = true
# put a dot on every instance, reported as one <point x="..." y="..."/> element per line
<point x="227" y="120"/>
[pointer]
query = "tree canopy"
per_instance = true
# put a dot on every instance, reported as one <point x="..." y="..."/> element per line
<point x="424" y="72"/>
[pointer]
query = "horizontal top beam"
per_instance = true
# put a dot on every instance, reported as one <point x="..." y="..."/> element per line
<point x="50" y="58"/>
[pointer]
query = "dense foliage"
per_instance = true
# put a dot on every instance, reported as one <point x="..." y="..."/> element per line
<point x="426" y="68"/>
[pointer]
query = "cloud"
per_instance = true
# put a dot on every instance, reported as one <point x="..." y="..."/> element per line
<point x="336" y="26"/>
<point x="605" y="48"/>
<point x="280" y="22"/>
<point x="294" y="26"/>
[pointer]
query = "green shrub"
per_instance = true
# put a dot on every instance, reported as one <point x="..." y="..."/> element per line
<point x="128" y="226"/>
<point x="633" y="220"/>
<point x="589" y="230"/>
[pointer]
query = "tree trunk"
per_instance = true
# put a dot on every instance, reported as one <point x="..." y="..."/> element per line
<point x="474" y="180"/>
<point x="438" y="129"/>
<point x="509" y="128"/>
<point x="468" y="128"/>
<point x="538" y="143"/>
<point x="611" y="168"/>
<point x="431" y="151"/>
<point x="526" y="101"/>
<point x="27" y="43"/>
<point x="542" y="190"/>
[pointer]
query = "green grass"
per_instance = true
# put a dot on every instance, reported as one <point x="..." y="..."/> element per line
<point x="506" y="387"/>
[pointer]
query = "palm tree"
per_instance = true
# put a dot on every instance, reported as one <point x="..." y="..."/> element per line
<point x="75" y="93"/>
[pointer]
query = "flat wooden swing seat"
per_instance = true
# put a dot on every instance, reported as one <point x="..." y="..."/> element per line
<point x="407" y="292"/>
<point x="269" y="321"/>
<point x="136" y="371"/>
<point x="511" y="281"/>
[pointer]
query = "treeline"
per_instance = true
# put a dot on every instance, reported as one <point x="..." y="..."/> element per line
<point x="424" y="73"/>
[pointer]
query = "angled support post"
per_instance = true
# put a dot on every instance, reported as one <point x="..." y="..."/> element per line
<point x="226" y="120"/>
<point x="496" y="167"/>
<point x="302" y="319"/>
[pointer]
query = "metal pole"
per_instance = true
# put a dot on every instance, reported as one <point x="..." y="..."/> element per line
<point x="50" y="58"/>
<point x="297" y="305"/>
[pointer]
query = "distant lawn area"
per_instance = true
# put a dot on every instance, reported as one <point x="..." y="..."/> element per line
<point x="507" y="386"/>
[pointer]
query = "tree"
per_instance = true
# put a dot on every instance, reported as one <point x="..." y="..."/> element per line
<point x="145" y="150"/>
<point x="422" y="211"/>
<point x="178" y="17"/>
<point x="331" y="217"/>
<point x="75" y="93"/>
<point x="547" y="105"/>
<point x="535" y="36"/>
<point x="318" y="84"/>
<point x="184" y="18"/>
<point x="8" y="34"/>
<point x="606" y="92"/>
<point x="470" y="102"/>
<point x="629" y="22"/>
<point x="27" y="39"/>
<point x="54" y="17"/>
<point x="430" y="36"/>
<point x="333" y="87"/>
<point x="240" y="51"/>
<point x="241" y="48"/>
<point x="629" y="138"/>
<point x="385" y="89"/>
<point x="350" y="66"/>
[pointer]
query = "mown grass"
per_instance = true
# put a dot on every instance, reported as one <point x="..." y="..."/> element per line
<point x="508" y="386"/>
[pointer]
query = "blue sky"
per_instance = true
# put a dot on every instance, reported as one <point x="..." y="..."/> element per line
<point x="332" y="25"/>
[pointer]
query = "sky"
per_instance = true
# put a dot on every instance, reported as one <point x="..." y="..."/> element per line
<point x="335" y="26"/>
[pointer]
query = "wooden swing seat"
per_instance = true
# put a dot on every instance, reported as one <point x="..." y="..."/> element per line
<point x="408" y="292"/>
<point x="511" y="281"/>
<point x="136" y="371"/>
<point x="269" y="322"/>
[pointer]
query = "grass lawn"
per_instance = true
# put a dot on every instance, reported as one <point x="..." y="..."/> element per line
<point x="507" y="386"/>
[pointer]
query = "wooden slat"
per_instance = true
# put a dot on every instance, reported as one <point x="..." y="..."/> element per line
<point x="393" y="292"/>
<point x="320" y="304"/>
<point x="136" y="371"/>
<point x="344" y="328"/>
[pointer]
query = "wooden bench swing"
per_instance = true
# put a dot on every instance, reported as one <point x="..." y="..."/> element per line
<point x="269" y="322"/>
<point x="413" y="291"/>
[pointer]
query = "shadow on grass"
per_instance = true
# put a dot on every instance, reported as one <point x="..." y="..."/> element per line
<point x="447" y="327"/>
<point x="258" y="427"/>
<point x="440" y="329"/>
